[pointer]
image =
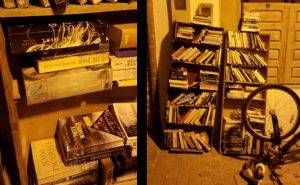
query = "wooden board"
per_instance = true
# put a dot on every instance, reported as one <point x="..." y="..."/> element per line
<point x="292" y="66"/>
<point x="273" y="21"/>
<point x="70" y="10"/>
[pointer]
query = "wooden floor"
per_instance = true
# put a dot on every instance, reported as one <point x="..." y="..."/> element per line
<point x="211" y="168"/>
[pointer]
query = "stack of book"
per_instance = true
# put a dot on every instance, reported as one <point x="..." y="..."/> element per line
<point x="249" y="22"/>
<point x="123" y="46"/>
<point x="179" y="140"/>
<point x="62" y="58"/>
<point x="80" y="142"/>
<point x="209" y="80"/>
<point x="209" y="36"/>
<point x="181" y="78"/>
<point x="235" y="74"/>
<point x="242" y="58"/>
<point x="191" y="99"/>
<point x="204" y="20"/>
<point x="196" y="56"/>
<point x="245" y="40"/>
<point x="242" y="92"/>
<point x="185" y="32"/>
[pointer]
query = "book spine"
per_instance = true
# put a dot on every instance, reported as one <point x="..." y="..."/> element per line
<point x="71" y="62"/>
<point x="95" y="156"/>
<point x="124" y="74"/>
<point x="123" y="63"/>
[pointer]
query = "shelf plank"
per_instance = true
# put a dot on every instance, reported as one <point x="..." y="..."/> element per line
<point x="71" y="9"/>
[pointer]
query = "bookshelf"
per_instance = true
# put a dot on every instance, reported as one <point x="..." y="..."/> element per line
<point x="193" y="97"/>
<point x="245" y="69"/>
<point x="24" y="123"/>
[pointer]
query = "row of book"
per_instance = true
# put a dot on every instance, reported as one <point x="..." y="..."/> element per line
<point x="249" y="22"/>
<point x="241" y="58"/>
<point x="91" y="55"/>
<point x="208" y="36"/>
<point x="234" y="74"/>
<point x="82" y="142"/>
<point x="48" y="3"/>
<point x="191" y="116"/>
<point x="245" y="40"/>
<point x="179" y="141"/>
<point x="196" y="56"/>
<point x="192" y="99"/>
<point x="203" y="36"/>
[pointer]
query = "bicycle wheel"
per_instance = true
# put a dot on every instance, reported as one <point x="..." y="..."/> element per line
<point x="266" y="101"/>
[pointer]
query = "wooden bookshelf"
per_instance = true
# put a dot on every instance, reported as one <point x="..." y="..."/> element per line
<point x="207" y="66"/>
<point x="233" y="104"/>
<point x="71" y="9"/>
<point x="24" y="123"/>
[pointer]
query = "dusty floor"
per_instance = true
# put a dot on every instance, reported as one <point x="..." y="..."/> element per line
<point x="211" y="168"/>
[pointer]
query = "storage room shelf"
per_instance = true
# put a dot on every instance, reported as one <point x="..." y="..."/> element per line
<point x="71" y="9"/>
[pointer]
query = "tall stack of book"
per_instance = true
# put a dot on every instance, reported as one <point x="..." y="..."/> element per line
<point x="123" y="46"/>
<point x="249" y="22"/>
<point x="62" y="58"/>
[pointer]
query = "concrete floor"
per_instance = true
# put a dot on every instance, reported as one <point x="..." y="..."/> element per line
<point x="210" y="168"/>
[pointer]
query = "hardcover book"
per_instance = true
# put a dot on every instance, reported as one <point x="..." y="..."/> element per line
<point x="47" y="36"/>
<point x="49" y="168"/>
<point x="80" y="142"/>
<point x="126" y="114"/>
<point x="123" y="35"/>
<point x="55" y="85"/>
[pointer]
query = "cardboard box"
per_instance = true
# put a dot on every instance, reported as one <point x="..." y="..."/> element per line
<point x="49" y="36"/>
<point x="55" y="85"/>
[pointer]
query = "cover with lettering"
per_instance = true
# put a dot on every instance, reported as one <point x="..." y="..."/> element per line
<point x="49" y="167"/>
<point x="80" y="142"/>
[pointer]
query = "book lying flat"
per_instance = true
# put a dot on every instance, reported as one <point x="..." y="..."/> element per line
<point x="79" y="140"/>
<point x="49" y="167"/>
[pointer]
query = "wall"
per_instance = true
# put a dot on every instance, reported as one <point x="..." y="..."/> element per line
<point x="230" y="14"/>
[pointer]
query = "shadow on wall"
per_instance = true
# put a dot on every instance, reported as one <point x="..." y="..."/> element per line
<point x="160" y="90"/>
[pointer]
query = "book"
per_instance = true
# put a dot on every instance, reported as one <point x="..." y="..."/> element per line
<point x="126" y="114"/>
<point x="79" y="140"/>
<point x="22" y="3"/>
<point x="48" y="86"/>
<point x="123" y="36"/>
<point x="124" y="68"/>
<point x="71" y="62"/>
<point x="123" y="62"/>
<point x="106" y="171"/>
<point x="47" y="36"/>
<point x="49" y="167"/>
<point x="8" y="4"/>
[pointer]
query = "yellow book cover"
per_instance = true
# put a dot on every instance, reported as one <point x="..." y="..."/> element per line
<point x="49" y="166"/>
